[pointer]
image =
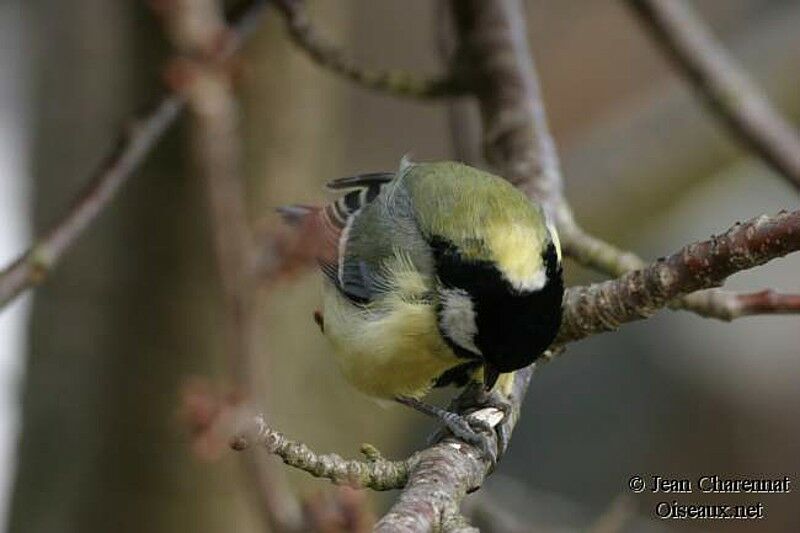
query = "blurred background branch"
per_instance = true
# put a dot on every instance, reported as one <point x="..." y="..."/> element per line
<point x="331" y="57"/>
<point x="33" y="266"/>
<point x="722" y="83"/>
<point x="133" y="147"/>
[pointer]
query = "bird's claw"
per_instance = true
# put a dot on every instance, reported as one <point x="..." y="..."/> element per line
<point x="475" y="432"/>
<point x="470" y="429"/>
<point x="476" y="398"/>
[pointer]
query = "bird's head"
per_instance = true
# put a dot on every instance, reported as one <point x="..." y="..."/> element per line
<point x="500" y="290"/>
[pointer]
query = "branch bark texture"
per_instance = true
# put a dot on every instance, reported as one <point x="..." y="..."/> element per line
<point x="494" y="42"/>
<point x="639" y="294"/>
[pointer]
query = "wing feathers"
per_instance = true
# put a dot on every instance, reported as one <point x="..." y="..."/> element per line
<point x="360" y="181"/>
<point x="353" y="278"/>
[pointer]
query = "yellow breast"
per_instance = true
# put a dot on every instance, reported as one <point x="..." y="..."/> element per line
<point x="390" y="349"/>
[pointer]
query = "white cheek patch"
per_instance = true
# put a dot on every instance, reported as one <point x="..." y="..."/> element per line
<point x="457" y="318"/>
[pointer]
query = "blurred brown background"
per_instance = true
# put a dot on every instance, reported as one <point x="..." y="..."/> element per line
<point x="134" y="309"/>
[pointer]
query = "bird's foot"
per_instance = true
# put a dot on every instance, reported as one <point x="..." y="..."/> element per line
<point x="476" y="398"/>
<point x="471" y="429"/>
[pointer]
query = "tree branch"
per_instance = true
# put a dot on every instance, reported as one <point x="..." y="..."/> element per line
<point x="720" y="304"/>
<point x="517" y="141"/>
<point x="375" y="473"/>
<point x="730" y="305"/>
<point x="639" y="294"/>
<point x="725" y="87"/>
<point x="329" y="56"/>
<point x="134" y="145"/>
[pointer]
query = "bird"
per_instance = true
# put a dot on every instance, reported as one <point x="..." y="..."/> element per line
<point x="435" y="274"/>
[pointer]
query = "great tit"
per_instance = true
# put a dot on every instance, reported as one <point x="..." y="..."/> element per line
<point x="436" y="274"/>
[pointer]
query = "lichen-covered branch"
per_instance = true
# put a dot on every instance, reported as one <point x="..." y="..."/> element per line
<point x="134" y="145"/>
<point x="437" y="483"/>
<point x="331" y="57"/>
<point x="723" y="84"/>
<point x="639" y="294"/>
<point x="374" y="473"/>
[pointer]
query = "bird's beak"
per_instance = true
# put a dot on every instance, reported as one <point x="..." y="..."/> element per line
<point x="490" y="375"/>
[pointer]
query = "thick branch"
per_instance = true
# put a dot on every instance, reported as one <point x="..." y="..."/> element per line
<point x="639" y="294"/>
<point x="331" y="57"/>
<point x="720" y="304"/>
<point x="723" y="84"/>
<point x="438" y="482"/>
<point x="517" y="141"/>
<point x="32" y="267"/>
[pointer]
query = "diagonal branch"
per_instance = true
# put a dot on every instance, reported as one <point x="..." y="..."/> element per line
<point x="639" y="294"/>
<point x="331" y="57"/>
<point x="726" y="88"/>
<point x="720" y="304"/>
<point x="517" y="140"/>
<point x="134" y="145"/>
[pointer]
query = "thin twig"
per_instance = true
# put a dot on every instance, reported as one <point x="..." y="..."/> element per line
<point x="375" y="473"/>
<point x="331" y="57"/>
<point x="724" y="85"/>
<point x="730" y="305"/>
<point x="134" y="145"/>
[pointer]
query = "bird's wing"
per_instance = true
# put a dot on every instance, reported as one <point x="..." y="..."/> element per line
<point x="356" y="279"/>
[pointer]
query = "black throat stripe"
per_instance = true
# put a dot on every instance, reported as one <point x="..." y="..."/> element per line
<point x="514" y="327"/>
